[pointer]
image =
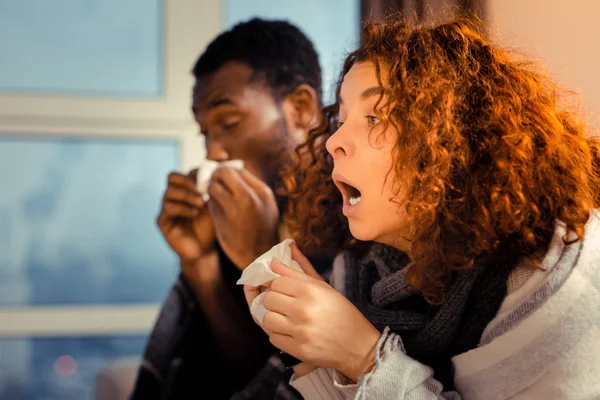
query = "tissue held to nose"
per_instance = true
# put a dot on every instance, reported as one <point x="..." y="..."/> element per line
<point x="206" y="171"/>
<point x="259" y="272"/>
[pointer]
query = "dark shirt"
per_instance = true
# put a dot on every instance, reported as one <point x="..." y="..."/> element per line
<point x="182" y="359"/>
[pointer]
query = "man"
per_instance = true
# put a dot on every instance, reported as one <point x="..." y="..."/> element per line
<point x="257" y="93"/>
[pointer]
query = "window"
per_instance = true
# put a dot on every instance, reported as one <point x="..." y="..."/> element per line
<point x="94" y="112"/>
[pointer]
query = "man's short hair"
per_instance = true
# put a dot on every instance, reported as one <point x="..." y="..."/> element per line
<point x="277" y="51"/>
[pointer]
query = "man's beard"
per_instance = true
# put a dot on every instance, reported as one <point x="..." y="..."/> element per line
<point x="280" y="154"/>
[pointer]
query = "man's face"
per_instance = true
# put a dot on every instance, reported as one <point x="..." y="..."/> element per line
<point x="240" y="119"/>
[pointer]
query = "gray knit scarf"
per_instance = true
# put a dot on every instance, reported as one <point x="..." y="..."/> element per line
<point x="376" y="284"/>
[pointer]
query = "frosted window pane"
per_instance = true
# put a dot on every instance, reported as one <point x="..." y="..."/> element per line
<point x="77" y="221"/>
<point x="60" y="368"/>
<point x="91" y="47"/>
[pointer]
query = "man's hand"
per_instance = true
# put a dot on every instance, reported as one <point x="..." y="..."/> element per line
<point x="189" y="228"/>
<point x="244" y="213"/>
<point x="184" y="219"/>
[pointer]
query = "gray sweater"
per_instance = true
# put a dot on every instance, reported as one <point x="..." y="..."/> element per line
<point x="544" y="343"/>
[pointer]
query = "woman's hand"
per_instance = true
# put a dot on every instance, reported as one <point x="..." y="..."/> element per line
<point x="251" y="292"/>
<point x="308" y="319"/>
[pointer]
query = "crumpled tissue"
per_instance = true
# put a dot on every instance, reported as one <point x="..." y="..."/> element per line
<point x="259" y="272"/>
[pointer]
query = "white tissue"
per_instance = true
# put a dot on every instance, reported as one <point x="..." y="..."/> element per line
<point x="257" y="309"/>
<point x="260" y="272"/>
<point x="206" y="171"/>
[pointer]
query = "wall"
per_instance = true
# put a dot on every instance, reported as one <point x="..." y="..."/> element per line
<point x="562" y="34"/>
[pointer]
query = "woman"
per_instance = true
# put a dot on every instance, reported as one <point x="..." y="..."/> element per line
<point x="461" y="194"/>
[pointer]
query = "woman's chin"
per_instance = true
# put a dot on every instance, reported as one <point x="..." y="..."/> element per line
<point x="360" y="233"/>
<point x="369" y="235"/>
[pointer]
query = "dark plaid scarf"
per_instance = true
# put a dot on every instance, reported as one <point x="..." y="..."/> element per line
<point x="377" y="286"/>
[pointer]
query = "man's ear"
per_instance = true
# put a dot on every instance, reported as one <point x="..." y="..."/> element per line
<point x="304" y="103"/>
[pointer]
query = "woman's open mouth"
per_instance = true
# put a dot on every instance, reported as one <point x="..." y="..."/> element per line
<point x="352" y="196"/>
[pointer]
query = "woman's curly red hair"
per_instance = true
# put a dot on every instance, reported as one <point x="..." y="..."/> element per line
<point x="493" y="155"/>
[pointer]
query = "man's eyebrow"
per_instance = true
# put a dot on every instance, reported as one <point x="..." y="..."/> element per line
<point x="219" y="101"/>
<point x="214" y="103"/>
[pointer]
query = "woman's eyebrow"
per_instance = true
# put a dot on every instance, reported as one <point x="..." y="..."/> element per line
<point x="373" y="91"/>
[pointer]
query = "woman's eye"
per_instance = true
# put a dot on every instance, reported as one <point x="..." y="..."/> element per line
<point x="372" y="120"/>
<point x="338" y="125"/>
